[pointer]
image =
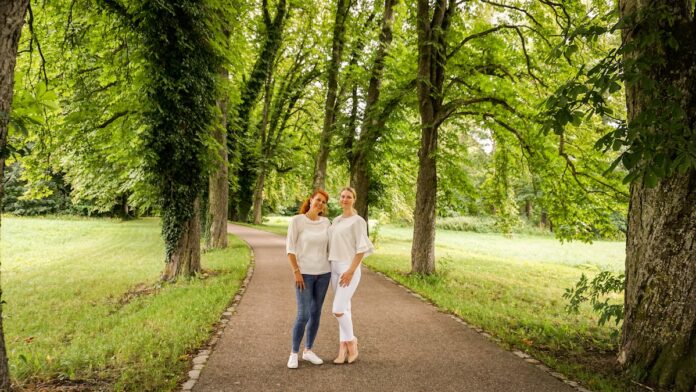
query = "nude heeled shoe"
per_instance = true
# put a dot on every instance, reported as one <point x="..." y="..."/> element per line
<point x="342" y="351"/>
<point x="352" y="356"/>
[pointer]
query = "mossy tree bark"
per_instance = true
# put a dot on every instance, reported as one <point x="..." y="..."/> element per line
<point x="658" y="342"/>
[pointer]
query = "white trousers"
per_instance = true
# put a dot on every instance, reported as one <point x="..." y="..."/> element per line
<point x="342" y="298"/>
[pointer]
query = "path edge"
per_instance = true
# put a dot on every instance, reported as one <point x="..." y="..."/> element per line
<point x="201" y="358"/>
<point x="522" y="355"/>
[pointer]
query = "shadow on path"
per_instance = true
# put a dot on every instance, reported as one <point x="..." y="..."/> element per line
<point x="405" y="344"/>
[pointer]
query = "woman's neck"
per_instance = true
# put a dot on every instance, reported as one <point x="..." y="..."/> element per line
<point x="347" y="213"/>
<point x="312" y="215"/>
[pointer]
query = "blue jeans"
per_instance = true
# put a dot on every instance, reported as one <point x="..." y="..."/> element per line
<point x="309" y="303"/>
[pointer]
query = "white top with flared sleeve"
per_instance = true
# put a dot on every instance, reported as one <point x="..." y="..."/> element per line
<point x="348" y="237"/>
<point x="308" y="240"/>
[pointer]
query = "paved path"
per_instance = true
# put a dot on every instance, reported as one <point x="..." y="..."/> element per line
<point x="405" y="344"/>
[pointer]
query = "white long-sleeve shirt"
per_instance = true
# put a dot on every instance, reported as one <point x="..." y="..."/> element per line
<point x="308" y="240"/>
<point x="348" y="237"/>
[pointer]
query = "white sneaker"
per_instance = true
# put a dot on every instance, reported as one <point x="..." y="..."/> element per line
<point x="292" y="361"/>
<point x="311" y="357"/>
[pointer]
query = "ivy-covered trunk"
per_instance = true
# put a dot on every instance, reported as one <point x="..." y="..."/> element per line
<point x="183" y="65"/>
<point x="331" y="103"/>
<point x="242" y="141"/>
<point x="11" y="21"/>
<point x="185" y="258"/>
<point x="658" y="343"/>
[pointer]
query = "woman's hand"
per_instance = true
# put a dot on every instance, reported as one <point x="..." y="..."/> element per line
<point x="346" y="277"/>
<point x="299" y="280"/>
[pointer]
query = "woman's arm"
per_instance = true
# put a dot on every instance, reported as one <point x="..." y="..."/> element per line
<point x="347" y="276"/>
<point x="299" y="280"/>
<point x="290" y="244"/>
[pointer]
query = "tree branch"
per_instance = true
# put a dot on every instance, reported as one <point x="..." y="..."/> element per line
<point x="449" y="108"/>
<point x="30" y="22"/>
<point x="493" y="30"/>
<point x="115" y="117"/>
<point x="575" y="173"/>
<point x="513" y="8"/>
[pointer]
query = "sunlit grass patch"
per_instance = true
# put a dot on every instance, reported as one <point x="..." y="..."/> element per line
<point x="84" y="304"/>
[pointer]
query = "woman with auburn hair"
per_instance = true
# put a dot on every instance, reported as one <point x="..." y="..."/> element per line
<point x="307" y="250"/>
<point x="348" y="245"/>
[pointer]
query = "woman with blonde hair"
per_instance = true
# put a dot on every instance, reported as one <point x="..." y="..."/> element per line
<point x="348" y="245"/>
<point x="307" y="250"/>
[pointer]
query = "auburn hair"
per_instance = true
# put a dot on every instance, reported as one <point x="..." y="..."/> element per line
<point x="306" y="204"/>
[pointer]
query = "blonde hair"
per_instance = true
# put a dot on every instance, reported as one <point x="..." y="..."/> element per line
<point x="355" y="196"/>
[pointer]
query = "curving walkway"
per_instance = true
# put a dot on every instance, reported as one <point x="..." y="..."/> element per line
<point x="405" y="344"/>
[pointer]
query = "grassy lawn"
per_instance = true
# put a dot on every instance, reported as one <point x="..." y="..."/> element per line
<point x="83" y="304"/>
<point x="512" y="288"/>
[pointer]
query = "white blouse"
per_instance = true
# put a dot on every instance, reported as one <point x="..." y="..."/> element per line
<point x="348" y="237"/>
<point x="308" y="240"/>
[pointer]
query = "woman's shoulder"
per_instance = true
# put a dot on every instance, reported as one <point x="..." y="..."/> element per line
<point x="350" y="220"/>
<point x="297" y="218"/>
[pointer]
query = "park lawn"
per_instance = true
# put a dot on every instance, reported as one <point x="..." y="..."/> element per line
<point x="512" y="288"/>
<point x="84" y="305"/>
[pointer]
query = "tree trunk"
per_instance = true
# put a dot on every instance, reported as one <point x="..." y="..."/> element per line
<point x="543" y="220"/>
<point x="218" y="185"/>
<point x="331" y="104"/>
<point x="432" y="60"/>
<point x="373" y="124"/>
<point x="11" y="21"/>
<point x="360" y="181"/>
<point x="528" y="209"/>
<point x="258" y="196"/>
<point x="659" y="331"/>
<point x="241" y="142"/>
<point x="186" y="258"/>
<point x="423" y="247"/>
<point x="658" y="341"/>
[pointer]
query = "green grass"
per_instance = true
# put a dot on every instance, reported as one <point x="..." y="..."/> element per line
<point x="512" y="287"/>
<point x="83" y="303"/>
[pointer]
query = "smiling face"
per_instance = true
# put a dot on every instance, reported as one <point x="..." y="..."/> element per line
<point x="347" y="199"/>
<point x="318" y="202"/>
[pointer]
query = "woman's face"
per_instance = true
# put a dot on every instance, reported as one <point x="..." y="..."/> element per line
<point x="318" y="202"/>
<point x="346" y="199"/>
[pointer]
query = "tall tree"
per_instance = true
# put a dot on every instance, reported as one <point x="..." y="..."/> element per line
<point x="218" y="183"/>
<point x="432" y="60"/>
<point x="331" y="103"/>
<point x="659" y="330"/>
<point x="11" y="21"/>
<point x="375" y="116"/>
<point x="279" y="107"/>
<point x="241" y="142"/>
<point x="183" y="63"/>
<point x="655" y="61"/>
